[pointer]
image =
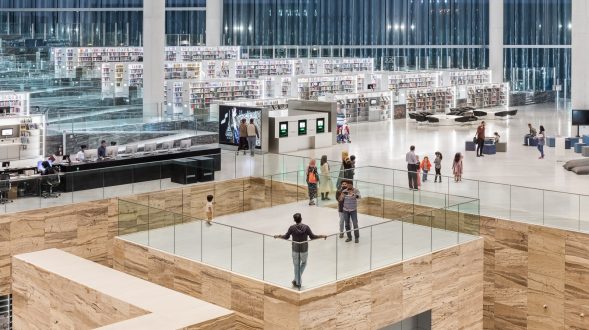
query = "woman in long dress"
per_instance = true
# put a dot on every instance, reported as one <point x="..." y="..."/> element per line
<point x="325" y="183"/>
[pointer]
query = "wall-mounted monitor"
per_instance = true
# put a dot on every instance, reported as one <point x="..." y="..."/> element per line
<point x="373" y="102"/>
<point x="581" y="117"/>
<point x="229" y="120"/>
<point x="283" y="129"/>
<point x="303" y="127"/>
<point x="320" y="125"/>
<point x="7" y="132"/>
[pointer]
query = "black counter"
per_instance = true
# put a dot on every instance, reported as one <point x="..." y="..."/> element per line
<point x="120" y="171"/>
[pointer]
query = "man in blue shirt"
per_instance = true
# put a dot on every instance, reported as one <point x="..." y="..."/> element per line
<point x="102" y="149"/>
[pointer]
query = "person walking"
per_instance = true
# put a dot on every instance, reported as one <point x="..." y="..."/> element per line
<point x="541" y="137"/>
<point x="252" y="136"/>
<point x="438" y="166"/>
<point x="426" y="166"/>
<point x="457" y="167"/>
<point x="349" y="197"/>
<point x="325" y="182"/>
<point x="412" y="162"/>
<point x="480" y="136"/>
<point x="312" y="180"/>
<point x="300" y="248"/>
<point x="242" y="137"/>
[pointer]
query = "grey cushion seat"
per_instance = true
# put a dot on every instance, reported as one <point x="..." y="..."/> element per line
<point x="575" y="163"/>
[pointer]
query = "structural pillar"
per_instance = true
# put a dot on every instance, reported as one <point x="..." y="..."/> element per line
<point x="580" y="55"/>
<point x="214" y="27"/>
<point x="154" y="55"/>
<point x="496" y="40"/>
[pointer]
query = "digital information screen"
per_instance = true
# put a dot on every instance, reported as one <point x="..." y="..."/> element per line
<point x="302" y="127"/>
<point x="283" y="129"/>
<point x="320" y="125"/>
<point x="229" y="119"/>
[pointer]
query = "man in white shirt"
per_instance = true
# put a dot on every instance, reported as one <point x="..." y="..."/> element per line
<point x="80" y="154"/>
<point x="252" y="136"/>
<point x="412" y="166"/>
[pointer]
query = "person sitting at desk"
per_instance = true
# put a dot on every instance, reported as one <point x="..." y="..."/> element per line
<point x="102" y="149"/>
<point x="80" y="154"/>
<point x="47" y="168"/>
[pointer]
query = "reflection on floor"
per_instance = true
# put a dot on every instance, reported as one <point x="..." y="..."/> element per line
<point x="241" y="249"/>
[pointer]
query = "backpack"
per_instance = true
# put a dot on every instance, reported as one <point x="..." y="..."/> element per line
<point x="312" y="177"/>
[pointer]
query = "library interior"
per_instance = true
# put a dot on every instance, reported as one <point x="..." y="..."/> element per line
<point x="294" y="164"/>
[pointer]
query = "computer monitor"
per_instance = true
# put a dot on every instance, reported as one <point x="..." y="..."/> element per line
<point x="131" y="149"/>
<point x="167" y="145"/>
<point x="90" y="154"/>
<point x="7" y="132"/>
<point x="112" y="151"/>
<point x="6" y="164"/>
<point x="185" y="144"/>
<point x="150" y="147"/>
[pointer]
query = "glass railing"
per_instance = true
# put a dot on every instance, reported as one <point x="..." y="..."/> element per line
<point x="249" y="214"/>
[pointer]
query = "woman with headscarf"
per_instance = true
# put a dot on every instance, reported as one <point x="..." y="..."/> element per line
<point x="312" y="181"/>
<point x="325" y="185"/>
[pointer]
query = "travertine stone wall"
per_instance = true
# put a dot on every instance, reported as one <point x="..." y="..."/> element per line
<point x="449" y="282"/>
<point x="535" y="277"/>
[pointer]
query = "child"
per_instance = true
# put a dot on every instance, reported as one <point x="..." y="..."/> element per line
<point x="418" y="170"/>
<point x="457" y="167"/>
<point x="425" y="167"/>
<point x="209" y="209"/>
<point x="438" y="166"/>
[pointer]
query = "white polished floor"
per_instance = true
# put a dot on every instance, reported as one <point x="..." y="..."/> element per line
<point x="235" y="242"/>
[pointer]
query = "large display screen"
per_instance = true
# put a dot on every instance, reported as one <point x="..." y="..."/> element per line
<point x="320" y="125"/>
<point x="581" y="117"/>
<point x="302" y="127"/>
<point x="229" y="119"/>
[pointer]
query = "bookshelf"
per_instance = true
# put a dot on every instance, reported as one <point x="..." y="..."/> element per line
<point x="487" y="95"/>
<point x="469" y="77"/>
<point x="202" y="93"/>
<point x="14" y="104"/>
<point x="432" y="100"/>
<point x="361" y="107"/>
<point x="397" y="81"/>
<point x="313" y="87"/>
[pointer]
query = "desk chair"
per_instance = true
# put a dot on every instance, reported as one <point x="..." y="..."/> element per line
<point x="5" y="186"/>
<point x="52" y="180"/>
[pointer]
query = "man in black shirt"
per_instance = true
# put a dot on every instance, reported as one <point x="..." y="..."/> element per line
<point x="300" y="248"/>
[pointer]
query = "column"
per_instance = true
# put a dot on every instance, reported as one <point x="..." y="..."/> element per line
<point x="580" y="55"/>
<point x="496" y="39"/>
<point x="154" y="48"/>
<point x="214" y="28"/>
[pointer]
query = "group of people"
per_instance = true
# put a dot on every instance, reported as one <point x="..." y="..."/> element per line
<point x="248" y="135"/>
<point x="101" y="150"/>
<point x="418" y="171"/>
<point x="319" y="180"/>
<point x="539" y="136"/>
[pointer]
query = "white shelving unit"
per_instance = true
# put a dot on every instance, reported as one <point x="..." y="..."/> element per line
<point x="487" y="95"/>
<point x="406" y="80"/>
<point x="313" y="87"/>
<point x="432" y="100"/>
<point x="467" y="77"/>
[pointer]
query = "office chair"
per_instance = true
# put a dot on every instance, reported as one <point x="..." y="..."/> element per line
<point x="5" y="186"/>
<point x="52" y="180"/>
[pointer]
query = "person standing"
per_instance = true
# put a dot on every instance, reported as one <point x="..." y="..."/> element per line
<point x="349" y="197"/>
<point x="457" y="167"/>
<point x="242" y="137"/>
<point x="412" y="162"/>
<point x="340" y="207"/>
<point x="300" y="248"/>
<point x="312" y="180"/>
<point x="541" y="137"/>
<point x="480" y="139"/>
<point x="438" y="166"/>
<point x="252" y="136"/>
<point x="426" y="166"/>
<point x="325" y="183"/>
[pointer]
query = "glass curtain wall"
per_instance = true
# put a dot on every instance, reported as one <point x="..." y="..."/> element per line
<point x="422" y="34"/>
<point x="537" y="38"/>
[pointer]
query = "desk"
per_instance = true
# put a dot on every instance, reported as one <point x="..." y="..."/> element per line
<point x="128" y="170"/>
